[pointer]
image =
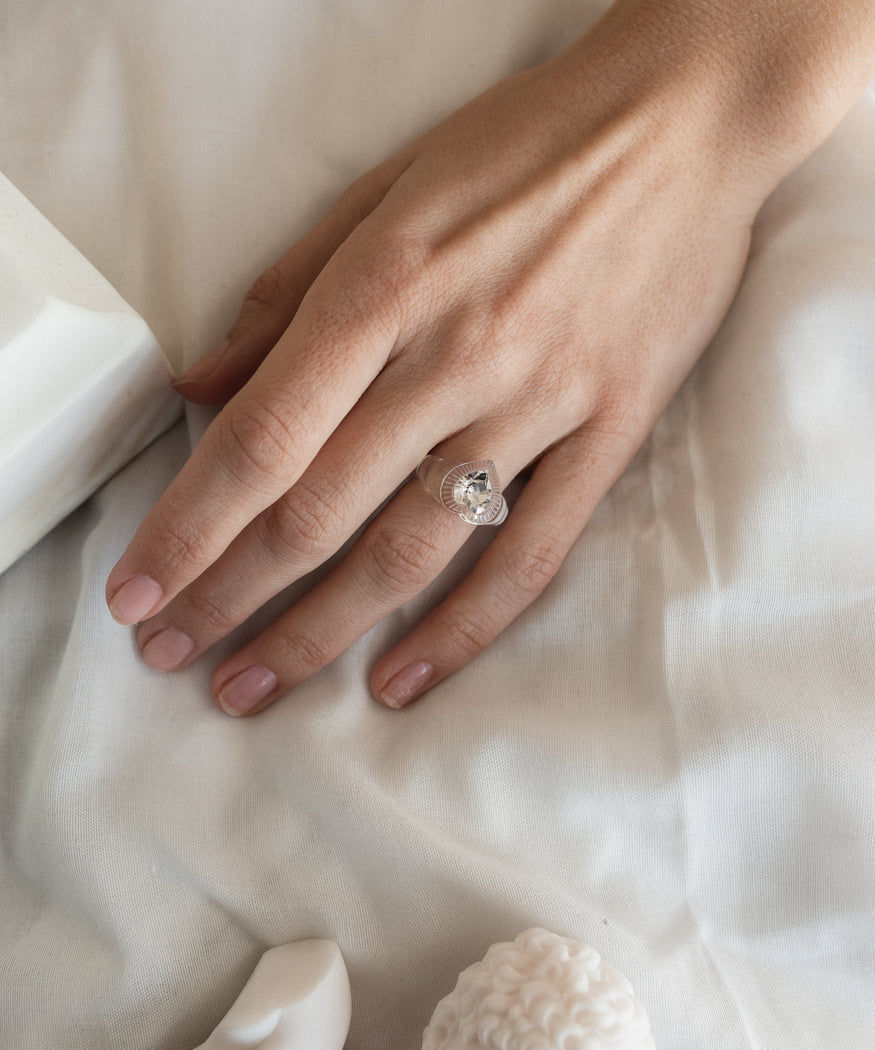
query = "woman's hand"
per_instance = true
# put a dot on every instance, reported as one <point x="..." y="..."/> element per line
<point x="528" y="282"/>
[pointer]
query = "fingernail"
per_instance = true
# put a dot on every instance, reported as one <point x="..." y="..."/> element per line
<point x="242" y="692"/>
<point x="134" y="600"/>
<point x="166" y="650"/>
<point x="202" y="369"/>
<point x="407" y="684"/>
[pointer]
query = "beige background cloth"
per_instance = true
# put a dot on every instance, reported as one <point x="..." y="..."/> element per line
<point x="670" y="755"/>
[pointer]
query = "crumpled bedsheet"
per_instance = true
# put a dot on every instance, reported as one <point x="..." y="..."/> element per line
<point x="670" y="755"/>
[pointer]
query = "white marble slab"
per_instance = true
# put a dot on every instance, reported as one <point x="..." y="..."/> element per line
<point x="84" y="385"/>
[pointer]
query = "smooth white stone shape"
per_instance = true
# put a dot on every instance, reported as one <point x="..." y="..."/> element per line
<point x="539" y="992"/>
<point x="297" y="998"/>
<point x="84" y="385"/>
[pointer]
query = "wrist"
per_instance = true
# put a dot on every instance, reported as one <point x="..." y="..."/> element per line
<point x="749" y="90"/>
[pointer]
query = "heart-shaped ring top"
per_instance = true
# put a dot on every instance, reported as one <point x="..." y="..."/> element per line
<point x="471" y="490"/>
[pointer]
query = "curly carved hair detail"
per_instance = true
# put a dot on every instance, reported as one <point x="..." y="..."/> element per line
<point x="539" y="992"/>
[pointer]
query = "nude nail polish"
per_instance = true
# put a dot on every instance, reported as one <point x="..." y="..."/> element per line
<point x="407" y="684"/>
<point x="242" y="692"/>
<point x="166" y="650"/>
<point x="134" y="600"/>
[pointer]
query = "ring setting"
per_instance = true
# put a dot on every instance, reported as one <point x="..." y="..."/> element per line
<point x="471" y="490"/>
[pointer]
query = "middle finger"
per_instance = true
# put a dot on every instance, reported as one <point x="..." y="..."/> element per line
<point x="374" y="449"/>
<point x="399" y="554"/>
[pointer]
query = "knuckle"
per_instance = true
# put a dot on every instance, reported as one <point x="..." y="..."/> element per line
<point x="515" y="303"/>
<point x="401" y="562"/>
<point x="475" y="347"/>
<point x="465" y="631"/>
<point x="267" y="288"/>
<point x="463" y="353"/>
<point x="348" y="315"/>
<point x="209" y="612"/>
<point x="357" y="199"/>
<point x="620" y="404"/>
<point x="182" y="546"/>
<point x="305" y="520"/>
<point x="257" y="440"/>
<point x="530" y="568"/>
<point x="614" y="425"/>
<point x="396" y="267"/>
<point x="378" y="282"/>
<point x="306" y="650"/>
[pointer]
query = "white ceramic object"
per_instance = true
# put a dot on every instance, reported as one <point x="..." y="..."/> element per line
<point x="297" y="998"/>
<point x="84" y="385"/>
<point x="539" y="992"/>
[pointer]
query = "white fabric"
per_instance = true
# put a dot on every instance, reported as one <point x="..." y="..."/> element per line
<point x="670" y="755"/>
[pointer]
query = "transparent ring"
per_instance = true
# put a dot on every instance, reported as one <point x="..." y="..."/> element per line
<point x="471" y="490"/>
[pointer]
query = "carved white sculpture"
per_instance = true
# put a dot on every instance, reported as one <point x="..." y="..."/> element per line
<point x="539" y="992"/>
<point x="85" y="385"/>
<point x="297" y="998"/>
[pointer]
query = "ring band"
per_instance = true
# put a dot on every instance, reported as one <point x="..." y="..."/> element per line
<point x="471" y="490"/>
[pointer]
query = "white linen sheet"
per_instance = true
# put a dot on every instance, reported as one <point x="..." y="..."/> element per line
<point x="670" y="755"/>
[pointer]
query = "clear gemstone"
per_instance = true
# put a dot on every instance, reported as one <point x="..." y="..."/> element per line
<point x="474" y="491"/>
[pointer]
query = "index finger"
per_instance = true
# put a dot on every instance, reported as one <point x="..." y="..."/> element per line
<point x="254" y="450"/>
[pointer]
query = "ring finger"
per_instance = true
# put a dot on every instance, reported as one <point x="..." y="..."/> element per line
<point x="369" y="455"/>
<point x="403" y="549"/>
